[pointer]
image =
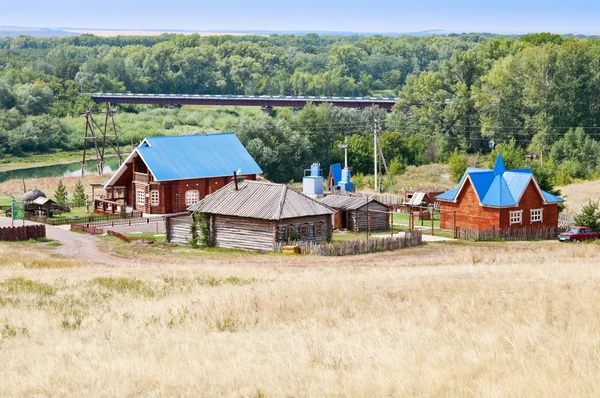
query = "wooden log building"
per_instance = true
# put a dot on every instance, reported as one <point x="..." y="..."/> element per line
<point x="358" y="214"/>
<point x="256" y="215"/>
<point x="166" y="175"/>
<point x="498" y="198"/>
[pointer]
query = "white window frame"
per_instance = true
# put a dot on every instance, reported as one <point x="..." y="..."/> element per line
<point x="140" y="197"/>
<point x="537" y="215"/>
<point x="154" y="194"/>
<point x="189" y="200"/>
<point x="516" y="217"/>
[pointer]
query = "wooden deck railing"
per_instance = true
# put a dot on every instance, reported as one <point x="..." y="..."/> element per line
<point x="141" y="177"/>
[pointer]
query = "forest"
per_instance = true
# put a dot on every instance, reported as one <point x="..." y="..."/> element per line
<point x="458" y="95"/>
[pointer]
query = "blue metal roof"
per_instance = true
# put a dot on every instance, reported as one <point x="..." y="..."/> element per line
<point x="196" y="156"/>
<point x="336" y="172"/>
<point x="498" y="187"/>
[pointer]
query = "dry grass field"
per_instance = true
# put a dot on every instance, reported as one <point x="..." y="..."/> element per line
<point x="494" y="319"/>
<point x="579" y="194"/>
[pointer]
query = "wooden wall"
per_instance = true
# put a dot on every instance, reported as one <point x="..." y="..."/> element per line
<point x="470" y="214"/>
<point x="532" y="199"/>
<point x="311" y="221"/>
<point x="243" y="233"/>
<point x="380" y="218"/>
<point x="178" y="230"/>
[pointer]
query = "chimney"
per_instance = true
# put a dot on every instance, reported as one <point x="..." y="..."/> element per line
<point x="235" y="179"/>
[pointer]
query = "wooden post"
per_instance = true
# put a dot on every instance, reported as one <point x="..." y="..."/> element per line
<point x="432" y="219"/>
<point x="392" y="217"/>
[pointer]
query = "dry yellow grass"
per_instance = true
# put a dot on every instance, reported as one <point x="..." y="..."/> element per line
<point x="579" y="194"/>
<point x="444" y="320"/>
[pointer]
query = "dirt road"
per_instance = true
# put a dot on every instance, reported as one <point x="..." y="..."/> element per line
<point x="75" y="245"/>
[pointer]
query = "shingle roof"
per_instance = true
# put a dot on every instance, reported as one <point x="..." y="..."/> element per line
<point x="261" y="200"/>
<point x="193" y="156"/>
<point x="498" y="187"/>
<point x="347" y="202"/>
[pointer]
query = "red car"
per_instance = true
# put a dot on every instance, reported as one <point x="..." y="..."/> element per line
<point x="576" y="234"/>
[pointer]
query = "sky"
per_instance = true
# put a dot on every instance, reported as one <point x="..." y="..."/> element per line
<point x="509" y="16"/>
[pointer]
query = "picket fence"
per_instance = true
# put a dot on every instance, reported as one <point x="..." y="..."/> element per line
<point x="509" y="234"/>
<point x="356" y="247"/>
<point x="16" y="234"/>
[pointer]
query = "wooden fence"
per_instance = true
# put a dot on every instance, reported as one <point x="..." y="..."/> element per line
<point x="356" y="247"/>
<point x="87" y="219"/>
<point x="524" y="233"/>
<point x="123" y="222"/>
<point x="16" y="234"/>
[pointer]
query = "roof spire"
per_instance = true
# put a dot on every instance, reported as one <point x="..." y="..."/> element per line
<point x="499" y="167"/>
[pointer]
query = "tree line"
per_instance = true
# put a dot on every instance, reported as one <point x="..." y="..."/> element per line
<point x="464" y="93"/>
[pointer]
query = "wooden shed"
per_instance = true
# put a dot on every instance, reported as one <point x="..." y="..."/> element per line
<point x="358" y="214"/>
<point x="256" y="215"/>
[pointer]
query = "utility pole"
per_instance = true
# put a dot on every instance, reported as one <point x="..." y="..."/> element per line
<point x="376" y="185"/>
<point x="344" y="146"/>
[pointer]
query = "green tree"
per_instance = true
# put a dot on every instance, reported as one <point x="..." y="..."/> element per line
<point x="60" y="194"/>
<point x="589" y="216"/>
<point x="458" y="165"/>
<point x="513" y="155"/>
<point x="79" y="195"/>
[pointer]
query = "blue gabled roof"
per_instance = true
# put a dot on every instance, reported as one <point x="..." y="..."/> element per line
<point x="336" y="172"/>
<point x="196" y="156"/>
<point x="498" y="187"/>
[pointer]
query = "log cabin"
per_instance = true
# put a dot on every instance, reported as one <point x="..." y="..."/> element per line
<point x="498" y="198"/>
<point x="166" y="175"/>
<point x="358" y="214"/>
<point x="256" y="215"/>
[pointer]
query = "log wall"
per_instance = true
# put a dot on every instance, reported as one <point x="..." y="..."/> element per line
<point x="327" y="225"/>
<point x="243" y="233"/>
<point x="178" y="230"/>
<point x="380" y="218"/>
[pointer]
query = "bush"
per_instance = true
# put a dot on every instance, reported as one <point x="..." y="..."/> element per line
<point x="359" y="180"/>
<point x="589" y="216"/>
<point x="168" y="124"/>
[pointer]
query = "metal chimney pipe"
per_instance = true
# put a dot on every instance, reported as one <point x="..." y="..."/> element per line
<point x="235" y="179"/>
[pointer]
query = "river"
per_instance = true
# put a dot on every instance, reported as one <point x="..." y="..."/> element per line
<point x="59" y="170"/>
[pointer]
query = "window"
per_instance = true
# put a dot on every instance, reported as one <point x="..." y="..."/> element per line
<point x="291" y="233"/>
<point x="304" y="231"/>
<point x="191" y="197"/>
<point x="154" y="197"/>
<point x="140" y="197"/>
<point x="536" y="215"/>
<point x="319" y="229"/>
<point x="119" y="192"/>
<point x="516" y="217"/>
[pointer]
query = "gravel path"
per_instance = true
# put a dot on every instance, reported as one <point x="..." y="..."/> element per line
<point x="77" y="245"/>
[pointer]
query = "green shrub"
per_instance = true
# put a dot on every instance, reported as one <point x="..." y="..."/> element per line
<point x="458" y="165"/>
<point x="589" y="216"/>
